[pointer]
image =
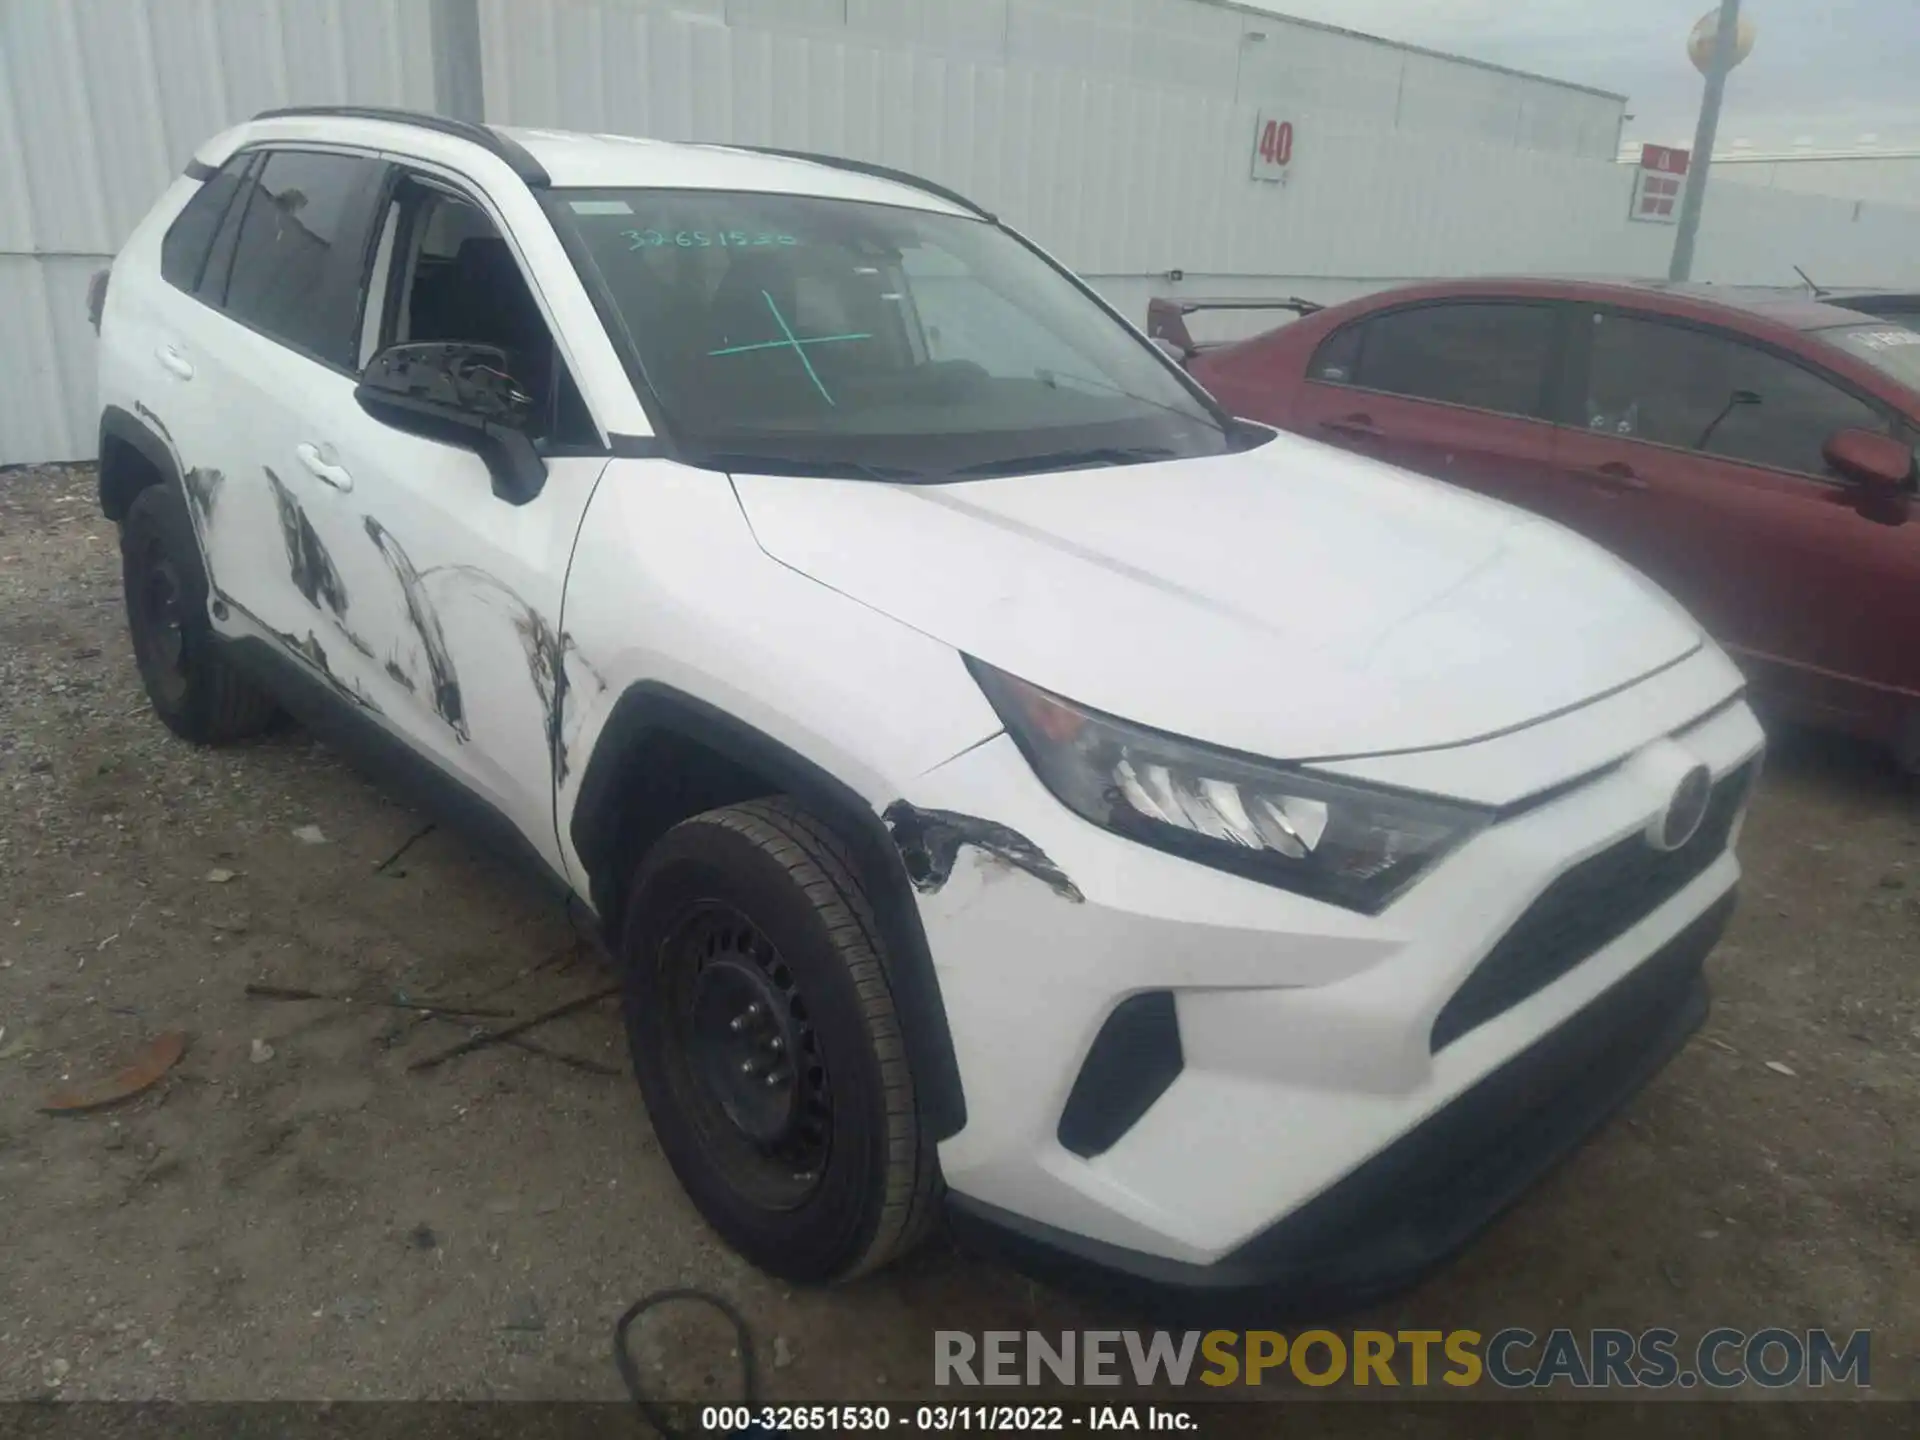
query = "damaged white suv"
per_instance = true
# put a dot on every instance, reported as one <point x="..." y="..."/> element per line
<point x="1204" y="861"/>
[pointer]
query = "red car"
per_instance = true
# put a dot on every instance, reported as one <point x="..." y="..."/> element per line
<point x="1754" y="453"/>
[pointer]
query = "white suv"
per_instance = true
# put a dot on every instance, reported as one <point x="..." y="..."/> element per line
<point x="1211" y="862"/>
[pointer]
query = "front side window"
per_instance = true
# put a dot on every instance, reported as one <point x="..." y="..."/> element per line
<point x="1484" y="355"/>
<point x="796" y="332"/>
<point x="456" y="279"/>
<point x="1701" y="390"/>
<point x="299" y="261"/>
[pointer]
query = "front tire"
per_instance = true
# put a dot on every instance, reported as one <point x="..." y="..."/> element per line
<point x="765" y="1041"/>
<point x="195" y="690"/>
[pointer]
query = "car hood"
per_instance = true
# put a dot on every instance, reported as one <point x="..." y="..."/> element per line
<point x="1292" y="601"/>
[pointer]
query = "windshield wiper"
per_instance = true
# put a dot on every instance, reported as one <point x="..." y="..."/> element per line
<point x="826" y="469"/>
<point x="1065" y="460"/>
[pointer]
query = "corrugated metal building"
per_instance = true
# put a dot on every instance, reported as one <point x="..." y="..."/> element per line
<point x="1120" y="133"/>
<point x="1890" y="176"/>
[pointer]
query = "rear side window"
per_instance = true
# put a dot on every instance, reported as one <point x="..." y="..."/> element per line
<point x="183" y="252"/>
<point x="1488" y="356"/>
<point x="1699" y="390"/>
<point x="300" y="259"/>
<point x="1337" y="361"/>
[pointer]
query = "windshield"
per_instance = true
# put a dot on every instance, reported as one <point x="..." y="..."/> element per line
<point x="1886" y="346"/>
<point x="788" y="332"/>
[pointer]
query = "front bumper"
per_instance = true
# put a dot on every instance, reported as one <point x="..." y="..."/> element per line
<point x="1421" y="1199"/>
<point x="1310" y="1074"/>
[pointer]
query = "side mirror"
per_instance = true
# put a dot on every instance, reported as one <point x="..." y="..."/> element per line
<point x="1880" y="465"/>
<point x="463" y="394"/>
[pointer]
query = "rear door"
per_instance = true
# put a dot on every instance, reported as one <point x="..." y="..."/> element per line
<point x="289" y="290"/>
<point x="161" y="356"/>
<point x="1457" y="389"/>
<point x="1696" y="454"/>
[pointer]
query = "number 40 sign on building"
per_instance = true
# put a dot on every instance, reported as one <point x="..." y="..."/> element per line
<point x="1272" y="147"/>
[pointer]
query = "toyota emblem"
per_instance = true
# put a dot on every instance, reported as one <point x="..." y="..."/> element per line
<point x="1685" y="811"/>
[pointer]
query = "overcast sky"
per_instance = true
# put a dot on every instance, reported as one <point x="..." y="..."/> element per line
<point x="1831" y="70"/>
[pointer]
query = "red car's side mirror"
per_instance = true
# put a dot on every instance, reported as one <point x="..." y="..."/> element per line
<point x="1877" y="461"/>
<point x="1881" y="466"/>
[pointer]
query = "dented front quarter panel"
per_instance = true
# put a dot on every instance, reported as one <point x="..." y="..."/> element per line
<point x="1027" y="970"/>
<point x="669" y="588"/>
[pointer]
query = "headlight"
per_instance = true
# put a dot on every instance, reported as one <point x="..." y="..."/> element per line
<point x="1347" y="844"/>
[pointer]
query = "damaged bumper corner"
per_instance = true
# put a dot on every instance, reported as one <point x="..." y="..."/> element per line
<point x="929" y="842"/>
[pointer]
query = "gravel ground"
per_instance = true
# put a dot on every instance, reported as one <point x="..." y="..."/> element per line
<point x="294" y="1214"/>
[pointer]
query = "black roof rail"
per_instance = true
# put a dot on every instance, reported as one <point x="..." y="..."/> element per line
<point x="485" y="136"/>
<point x="879" y="172"/>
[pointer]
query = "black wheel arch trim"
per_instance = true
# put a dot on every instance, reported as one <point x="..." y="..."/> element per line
<point x="130" y="429"/>
<point x="648" y="707"/>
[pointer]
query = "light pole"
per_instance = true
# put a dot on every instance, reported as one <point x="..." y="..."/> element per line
<point x="1726" y="45"/>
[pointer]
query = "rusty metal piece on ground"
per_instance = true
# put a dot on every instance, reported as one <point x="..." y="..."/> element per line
<point x="148" y="1067"/>
<point x="494" y="1037"/>
<point x="290" y="992"/>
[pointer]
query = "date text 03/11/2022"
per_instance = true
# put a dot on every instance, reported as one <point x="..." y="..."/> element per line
<point x="942" y="1419"/>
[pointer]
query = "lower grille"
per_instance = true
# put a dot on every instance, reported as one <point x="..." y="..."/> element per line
<point x="1589" y="907"/>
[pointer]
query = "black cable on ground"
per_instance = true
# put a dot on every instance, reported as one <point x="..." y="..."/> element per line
<point x="650" y="1408"/>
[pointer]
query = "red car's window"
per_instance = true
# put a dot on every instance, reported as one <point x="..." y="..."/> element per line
<point x="1337" y="361"/>
<point x="1674" y="385"/>
<point x="1487" y="355"/>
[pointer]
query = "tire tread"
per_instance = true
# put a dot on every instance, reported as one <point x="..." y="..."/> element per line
<point x="821" y="865"/>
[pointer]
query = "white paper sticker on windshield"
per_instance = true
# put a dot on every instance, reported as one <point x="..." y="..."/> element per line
<point x="1888" y="339"/>
<point x="600" y="207"/>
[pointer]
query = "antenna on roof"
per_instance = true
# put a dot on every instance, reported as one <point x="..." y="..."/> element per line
<point x="1818" y="293"/>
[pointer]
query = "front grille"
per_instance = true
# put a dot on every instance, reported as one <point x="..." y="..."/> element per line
<point x="1593" y="904"/>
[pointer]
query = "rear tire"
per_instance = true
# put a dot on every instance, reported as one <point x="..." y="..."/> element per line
<point x="195" y="690"/>
<point x="766" y="1043"/>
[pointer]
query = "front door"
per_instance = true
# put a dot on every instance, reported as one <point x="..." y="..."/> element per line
<point x="458" y="638"/>
<point x="1700" y="462"/>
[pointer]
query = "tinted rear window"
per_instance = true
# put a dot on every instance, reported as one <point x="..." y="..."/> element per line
<point x="1488" y="356"/>
<point x="183" y="253"/>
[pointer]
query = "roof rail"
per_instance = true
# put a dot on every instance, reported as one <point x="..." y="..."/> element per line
<point x="485" y="136"/>
<point x="880" y="172"/>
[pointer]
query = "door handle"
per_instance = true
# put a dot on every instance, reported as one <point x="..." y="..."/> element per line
<point x="172" y="360"/>
<point x="1616" y="477"/>
<point x="1360" y="426"/>
<point x="323" y="469"/>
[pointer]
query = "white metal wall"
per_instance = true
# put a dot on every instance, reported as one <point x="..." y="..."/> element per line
<point x="1892" y="178"/>
<point x="1117" y="132"/>
<point x="1062" y="128"/>
<point x="101" y="103"/>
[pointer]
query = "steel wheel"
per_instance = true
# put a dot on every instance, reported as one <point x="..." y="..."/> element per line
<point x="749" y="1063"/>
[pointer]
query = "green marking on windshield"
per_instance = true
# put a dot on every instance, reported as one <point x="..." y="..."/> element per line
<point x="784" y="344"/>
<point x="792" y="342"/>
